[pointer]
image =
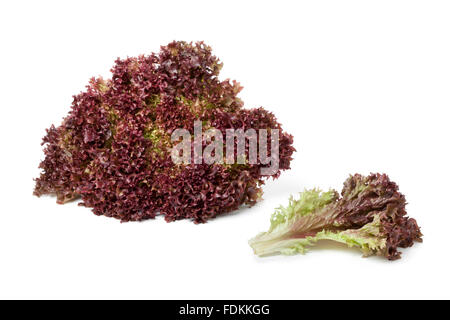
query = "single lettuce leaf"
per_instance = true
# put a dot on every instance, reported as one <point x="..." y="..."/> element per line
<point x="369" y="215"/>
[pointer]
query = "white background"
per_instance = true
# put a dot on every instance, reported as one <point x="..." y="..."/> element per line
<point x="362" y="85"/>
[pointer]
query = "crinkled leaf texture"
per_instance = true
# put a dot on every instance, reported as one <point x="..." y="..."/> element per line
<point x="113" y="148"/>
<point x="369" y="215"/>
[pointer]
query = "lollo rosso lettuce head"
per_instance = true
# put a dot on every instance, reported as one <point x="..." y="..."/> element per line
<point x="113" y="148"/>
<point x="369" y="214"/>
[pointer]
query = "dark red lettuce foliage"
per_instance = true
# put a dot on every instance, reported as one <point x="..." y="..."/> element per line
<point x="112" y="150"/>
<point x="363" y="197"/>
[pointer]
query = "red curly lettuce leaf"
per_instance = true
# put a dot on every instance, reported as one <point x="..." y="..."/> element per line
<point x="369" y="214"/>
